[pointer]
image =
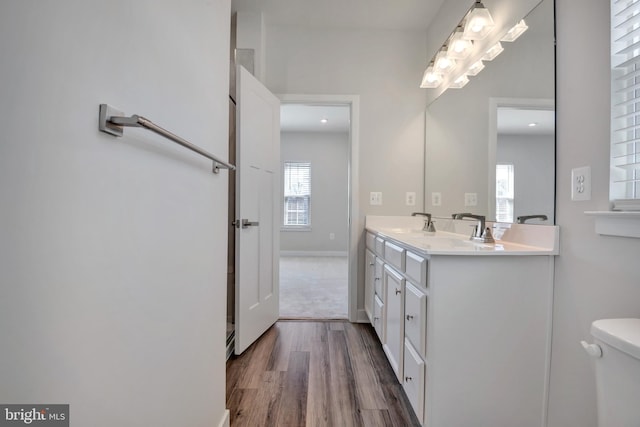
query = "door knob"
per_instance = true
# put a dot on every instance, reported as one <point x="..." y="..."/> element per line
<point x="246" y="223"/>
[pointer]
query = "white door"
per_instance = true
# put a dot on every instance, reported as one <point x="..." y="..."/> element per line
<point x="257" y="209"/>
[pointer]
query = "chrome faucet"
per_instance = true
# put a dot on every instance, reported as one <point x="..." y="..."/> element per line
<point x="459" y="215"/>
<point x="522" y="219"/>
<point x="480" y="232"/>
<point x="428" y="224"/>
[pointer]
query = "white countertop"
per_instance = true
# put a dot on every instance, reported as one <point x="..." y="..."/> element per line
<point x="511" y="239"/>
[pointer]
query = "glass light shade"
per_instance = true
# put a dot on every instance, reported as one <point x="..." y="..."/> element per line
<point x="494" y="51"/>
<point x="431" y="79"/>
<point x="515" y="32"/>
<point x="475" y="68"/>
<point x="442" y="63"/>
<point x="479" y="23"/>
<point x="459" y="82"/>
<point x="459" y="47"/>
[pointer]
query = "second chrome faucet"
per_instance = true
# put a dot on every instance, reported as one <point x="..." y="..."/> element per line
<point x="480" y="233"/>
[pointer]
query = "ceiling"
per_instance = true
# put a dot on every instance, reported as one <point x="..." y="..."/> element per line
<point x="359" y="14"/>
<point x="306" y="118"/>
<point x="515" y="121"/>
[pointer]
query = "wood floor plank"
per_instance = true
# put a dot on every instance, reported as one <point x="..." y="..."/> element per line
<point x="343" y="391"/>
<point x="368" y="387"/>
<point x="257" y="359"/>
<point x="240" y="404"/>
<point x="267" y="400"/>
<point x="293" y="405"/>
<point x="376" y="418"/>
<point x="319" y="408"/>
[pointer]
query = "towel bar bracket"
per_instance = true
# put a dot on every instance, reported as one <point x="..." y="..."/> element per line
<point x="107" y="112"/>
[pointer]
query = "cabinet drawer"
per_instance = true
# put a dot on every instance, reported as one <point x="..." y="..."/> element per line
<point x="416" y="268"/>
<point x="415" y="319"/>
<point x="379" y="246"/>
<point x="413" y="381"/>
<point x="377" y="279"/>
<point x="378" y="321"/>
<point x="394" y="255"/>
<point x="370" y="240"/>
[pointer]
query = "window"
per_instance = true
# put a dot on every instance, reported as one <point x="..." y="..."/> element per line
<point x="297" y="194"/>
<point x="625" y="105"/>
<point x="504" y="193"/>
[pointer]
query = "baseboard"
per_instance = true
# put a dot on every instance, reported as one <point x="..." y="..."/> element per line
<point x="314" y="253"/>
<point x="225" y="419"/>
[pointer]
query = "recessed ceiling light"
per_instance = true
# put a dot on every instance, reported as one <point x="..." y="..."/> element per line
<point x="532" y="124"/>
<point x="324" y="121"/>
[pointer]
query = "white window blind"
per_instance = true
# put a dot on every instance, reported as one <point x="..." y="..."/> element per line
<point x="625" y="104"/>
<point x="297" y="194"/>
<point x="504" y="193"/>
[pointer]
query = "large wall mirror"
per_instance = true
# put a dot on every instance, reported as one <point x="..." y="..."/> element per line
<point x="494" y="139"/>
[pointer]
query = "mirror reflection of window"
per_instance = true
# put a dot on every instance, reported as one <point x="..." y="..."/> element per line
<point x="504" y="192"/>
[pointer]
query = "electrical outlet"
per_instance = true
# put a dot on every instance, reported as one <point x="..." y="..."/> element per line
<point x="436" y="199"/>
<point x="375" y="198"/>
<point x="581" y="183"/>
<point x="410" y="198"/>
<point x="471" y="199"/>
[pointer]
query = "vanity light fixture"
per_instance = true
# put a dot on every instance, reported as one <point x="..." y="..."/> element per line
<point x="475" y="68"/>
<point x="515" y="31"/>
<point x="532" y="124"/>
<point x="479" y="22"/>
<point x="443" y="63"/>
<point x="431" y="79"/>
<point x="460" y="82"/>
<point x="324" y="121"/>
<point x="459" y="47"/>
<point x="493" y="52"/>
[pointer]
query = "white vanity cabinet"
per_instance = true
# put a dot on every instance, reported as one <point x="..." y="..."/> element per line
<point x="467" y="332"/>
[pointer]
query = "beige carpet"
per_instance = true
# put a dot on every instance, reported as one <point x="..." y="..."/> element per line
<point x="313" y="287"/>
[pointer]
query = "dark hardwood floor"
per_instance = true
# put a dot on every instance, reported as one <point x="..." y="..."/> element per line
<point x="316" y="373"/>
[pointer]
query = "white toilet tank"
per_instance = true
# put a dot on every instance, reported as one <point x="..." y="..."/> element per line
<point x="617" y="371"/>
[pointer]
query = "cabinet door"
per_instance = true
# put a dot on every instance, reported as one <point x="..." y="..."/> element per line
<point x="378" y="317"/>
<point x="369" y="276"/>
<point x="415" y="317"/>
<point x="377" y="279"/>
<point x="413" y="383"/>
<point x="393" y="345"/>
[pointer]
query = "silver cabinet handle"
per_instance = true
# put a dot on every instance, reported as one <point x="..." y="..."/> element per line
<point x="398" y="291"/>
<point x="409" y="317"/>
<point x="407" y="379"/>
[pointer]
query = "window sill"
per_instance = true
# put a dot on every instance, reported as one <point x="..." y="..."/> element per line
<point x="295" y="228"/>
<point x="617" y="223"/>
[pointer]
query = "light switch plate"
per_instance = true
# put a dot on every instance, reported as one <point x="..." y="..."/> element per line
<point x="375" y="198"/>
<point x="581" y="183"/>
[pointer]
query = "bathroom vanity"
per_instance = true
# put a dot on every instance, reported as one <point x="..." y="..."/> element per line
<point x="466" y="326"/>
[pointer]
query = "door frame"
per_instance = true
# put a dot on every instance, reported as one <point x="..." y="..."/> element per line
<point x="354" y="220"/>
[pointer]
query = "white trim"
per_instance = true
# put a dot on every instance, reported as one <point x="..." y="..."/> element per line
<point x="224" y="422"/>
<point x="356" y="224"/>
<point x="314" y="253"/>
<point x="611" y="223"/>
<point x="362" y="316"/>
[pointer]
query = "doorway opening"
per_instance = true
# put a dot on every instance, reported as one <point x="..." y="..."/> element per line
<point x="317" y="262"/>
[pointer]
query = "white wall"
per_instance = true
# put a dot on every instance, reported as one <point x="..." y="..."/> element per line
<point x="328" y="154"/>
<point x="596" y="276"/>
<point x="532" y="157"/>
<point x="112" y="251"/>
<point x="384" y="68"/>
